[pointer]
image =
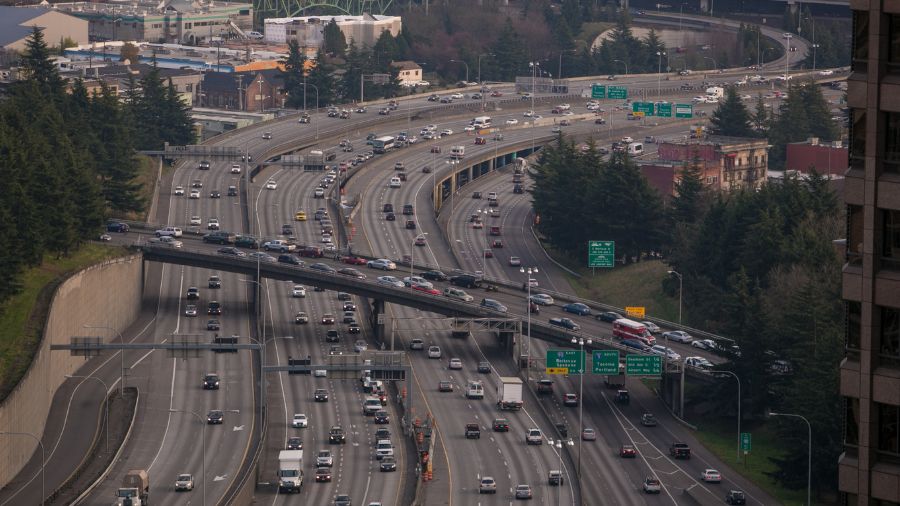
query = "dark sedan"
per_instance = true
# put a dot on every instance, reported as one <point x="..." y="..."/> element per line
<point x="231" y="251"/>
<point x="577" y="308"/>
<point x="323" y="267"/>
<point x="215" y="417"/>
<point x="434" y="276"/>
<point x="609" y="316"/>
<point x="115" y="226"/>
<point x="382" y="417"/>
<point x="353" y="273"/>
<point x="634" y="343"/>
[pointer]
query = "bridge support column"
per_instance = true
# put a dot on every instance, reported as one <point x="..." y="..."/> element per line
<point x="378" y="320"/>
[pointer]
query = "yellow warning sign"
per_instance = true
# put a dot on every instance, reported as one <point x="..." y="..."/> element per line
<point x="557" y="370"/>
<point x="635" y="311"/>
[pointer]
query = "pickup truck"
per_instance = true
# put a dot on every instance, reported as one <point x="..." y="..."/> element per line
<point x="279" y="245"/>
<point x="680" y="451"/>
<point x="565" y="323"/>
<point x="472" y="431"/>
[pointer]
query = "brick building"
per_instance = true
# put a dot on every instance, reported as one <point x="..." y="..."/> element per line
<point x="826" y="158"/>
<point x="725" y="163"/>
<point x="243" y="91"/>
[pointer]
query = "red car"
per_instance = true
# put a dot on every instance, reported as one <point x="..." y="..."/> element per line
<point x="496" y="94"/>
<point x="354" y="260"/>
<point x="627" y="452"/>
<point x="429" y="291"/>
<point x="497" y="243"/>
<point x="488" y="253"/>
<point x="435" y="149"/>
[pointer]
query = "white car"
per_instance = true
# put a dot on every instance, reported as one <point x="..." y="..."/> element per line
<point x="457" y="96"/>
<point x="456" y="293"/>
<point x="455" y="364"/>
<point x="704" y="344"/>
<point x="195" y="194"/>
<point x="326" y="239"/>
<point x="446" y="132"/>
<point x="627" y="140"/>
<point x="652" y="327"/>
<point x="319" y="193"/>
<point x="699" y="99"/>
<point x="417" y="281"/>
<point x="542" y="299"/>
<point x="271" y="184"/>
<point x="184" y="482"/>
<point x="300" y="421"/>
<point x="320" y="373"/>
<point x="512" y="121"/>
<point x="324" y="458"/>
<point x="390" y="281"/>
<point x="179" y="190"/>
<point x="515" y="261"/>
<point x="678" y="336"/>
<point x="235" y="168"/>
<point x="298" y="291"/>
<point x="826" y="73"/>
<point x="669" y="353"/>
<point x="195" y="220"/>
<point x="430" y="128"/>
<point x="212" y="224"/>
<point x="434" y="352"/>
<point x="711" y="476"/>
<point x="172" y="231"/>
<point x="469" y="128"/>
<point x="395" y="182"/>
<point x="528" y="114"/>
<point x="381" y="263"/>
<point x="190" y="310"/>
<point x="698" y="362"/>
<point x="167" y="240"/>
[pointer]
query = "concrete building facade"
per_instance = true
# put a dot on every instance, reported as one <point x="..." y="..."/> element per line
<point x="309" y="31"/>
<point x="174" y="21"/>
<point x="17" y="24"/>
<point x="869" y="467"/>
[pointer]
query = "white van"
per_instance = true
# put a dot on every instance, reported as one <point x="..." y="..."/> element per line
<point x="395" y="182"/>
<point x="635" y="148"/>
<point x="457" y="152"/>
<point x="475" y="390"/>
<point x="481" y="122"/>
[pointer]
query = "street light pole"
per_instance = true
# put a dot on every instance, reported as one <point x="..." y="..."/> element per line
<point x="105" y="401"/>
<point x="43" y="459"/>
<point x="122" y="352"/>
<point x="203" y="426"/>
<point x="534" y="65"/>
<point x="479" y="64"/>
<point x="659" y="55"/>
<point x="678" y="275"/>
<point x="808" y="455"/>
<point x="580" y="342"/>
<point x="715" y="65"/>
<point x="529" y="271"/>
<point x="467" y="68"/>
<point x="623" y="63"/>
<point x="738" y="411"/>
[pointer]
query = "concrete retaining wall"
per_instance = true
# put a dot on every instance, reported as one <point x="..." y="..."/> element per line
<point x="105" y="294"/>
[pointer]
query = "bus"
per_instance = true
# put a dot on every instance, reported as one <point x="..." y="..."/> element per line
<point x="482" y="122"/>
<point x="383" y="144"/>
<point x="623" y="328"/>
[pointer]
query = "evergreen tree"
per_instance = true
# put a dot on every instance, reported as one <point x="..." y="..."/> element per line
<point x="321" y="81"/>
<point x="688" y="205"/>
<point x="177" y="126"/>
<point x="116" y="164"/>
<point x="335" y="44"/>
<point x="731" y="117"/>
<point x="818" y="113"/>
<point x="293" y="75"/>
<point x="509" y="57"/>
<point x="38" y="67"/>
<point x="572" y="13"/>
<point x="760" y="120"/>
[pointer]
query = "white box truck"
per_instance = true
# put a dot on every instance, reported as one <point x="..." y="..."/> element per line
<point x="135" y="489"/>
<point x="290" y="470"/>
<point x="509" y="393"/>
<point x="457" y="152"/>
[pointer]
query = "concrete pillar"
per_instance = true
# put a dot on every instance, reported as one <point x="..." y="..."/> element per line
<point x="377" y="312"/>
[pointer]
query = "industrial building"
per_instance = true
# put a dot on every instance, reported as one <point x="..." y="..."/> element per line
<point x="869" y="467"/>
<point x="309" y="31"/>
<point x="172" y="21"/>
<point x="17" y="24"/>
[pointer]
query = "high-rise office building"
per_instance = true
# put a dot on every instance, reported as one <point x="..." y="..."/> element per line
<point x="869" y="468"/>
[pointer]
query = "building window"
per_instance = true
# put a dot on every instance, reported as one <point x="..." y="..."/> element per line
<point x="889" y="345"/>
<point x="888" y="429"/>
<point x="892" y="142"/>
<point x="860" y="50"/>
<point x="851" y="421"/>
<point x="853" y="325"/>
<point x="894" y="43"/>
<point x="857" y="138"/>
<point x="187" y="26"/>
<point x="890" y="250"/>
<point x="854" y="234"/>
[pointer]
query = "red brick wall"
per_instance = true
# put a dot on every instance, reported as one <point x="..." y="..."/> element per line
<point x="686" y="152"/>
<point x="826" y="160"/>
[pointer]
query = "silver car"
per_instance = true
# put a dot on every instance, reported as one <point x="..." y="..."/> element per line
<point x="184" y="482"/>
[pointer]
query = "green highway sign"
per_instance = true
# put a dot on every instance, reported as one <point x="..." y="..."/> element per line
<point x="644" y="107"/>
<point x="598" y="91"/>
<point x="643" y="365"/>
<point x="570" y="360"/>
<point x="664" y="110"/>
<point x="617" y="92"/>
<point x="684" y="110"/>
<point x="745" y="442"/>
<point x="601" y="253"/>
<point x="605" y="362"/>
